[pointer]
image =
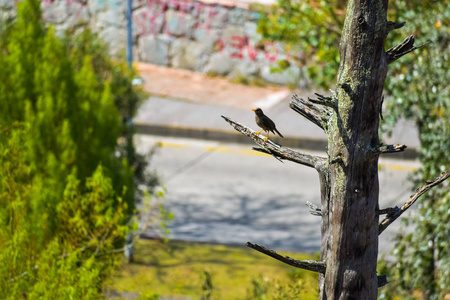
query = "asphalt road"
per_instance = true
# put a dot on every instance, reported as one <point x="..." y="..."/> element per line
<point x="227" y="193"/>
<point x="168" y="112"/>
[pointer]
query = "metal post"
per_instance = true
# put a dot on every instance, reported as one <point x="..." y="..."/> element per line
<point x="129" y="246"/>
<point x="129" y="33"/>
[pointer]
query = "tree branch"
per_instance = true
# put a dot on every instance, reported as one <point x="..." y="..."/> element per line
<point x="392" y="216"/>
<point x="382" y="280"/>
<point x="318" y="116"/>
<point x="279" y="151"/>
<point x="404" y="48"/>
<point x="310" y="265"/>
<point x="315" y="209"/>
<point x="389" y="148"/>
<point x="275" y="155"/>
<point x="325" y="101"/>
<point x="387" y="210"/>
<point x="392" y="25"/>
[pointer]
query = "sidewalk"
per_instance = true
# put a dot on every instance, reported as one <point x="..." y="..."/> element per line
<point x="184" y="85"/>
<point x="188" y="104"/>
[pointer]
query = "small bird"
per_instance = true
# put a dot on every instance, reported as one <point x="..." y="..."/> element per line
<point x="265" y="123"/>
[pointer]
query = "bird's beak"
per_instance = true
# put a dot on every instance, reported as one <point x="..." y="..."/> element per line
<point x="253" y="109"/>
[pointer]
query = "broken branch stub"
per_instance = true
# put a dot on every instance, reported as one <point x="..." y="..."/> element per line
<point x="307" y="109"/>
<point x="327" y="101"/>
<point x="381" y="149"/>
<point x="403" y="48"/>
<point x="392" y="25"/>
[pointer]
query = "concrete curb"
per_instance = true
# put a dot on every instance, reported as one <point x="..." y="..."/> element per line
<point x="235" y="137"/>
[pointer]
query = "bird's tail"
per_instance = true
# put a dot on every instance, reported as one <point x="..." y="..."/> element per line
<point x="279" y="133"/>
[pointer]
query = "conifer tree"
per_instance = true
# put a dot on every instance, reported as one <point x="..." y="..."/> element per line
<point x="66" y="195"/>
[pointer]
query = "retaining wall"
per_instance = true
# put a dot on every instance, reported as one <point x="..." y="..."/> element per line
<point x="213" y="38"/>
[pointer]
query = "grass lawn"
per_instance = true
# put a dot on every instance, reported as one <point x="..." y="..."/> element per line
<point x="193" y="271"/>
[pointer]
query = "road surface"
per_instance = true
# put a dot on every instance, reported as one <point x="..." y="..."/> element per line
<point x="227" y="193"/>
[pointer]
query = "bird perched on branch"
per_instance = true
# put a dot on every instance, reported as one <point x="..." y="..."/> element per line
<point x="265" y="123"/>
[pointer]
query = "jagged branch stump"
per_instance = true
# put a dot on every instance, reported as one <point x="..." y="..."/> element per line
<point x="382" y="149"/>
<point x="327" y="101"/>
<point x="307" y="109"/>
<point x="403" y="48"/>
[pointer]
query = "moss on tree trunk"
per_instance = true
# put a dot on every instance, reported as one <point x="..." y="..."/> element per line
<point x="350" y="224"/>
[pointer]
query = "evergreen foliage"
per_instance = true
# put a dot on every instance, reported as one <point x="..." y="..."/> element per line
<point x="416" y="89"/>
<point x="66" y="186"/>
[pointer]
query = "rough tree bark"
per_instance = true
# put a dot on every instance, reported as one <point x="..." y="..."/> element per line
<point x="349" y="173"/>
<point x="350" y="233"/>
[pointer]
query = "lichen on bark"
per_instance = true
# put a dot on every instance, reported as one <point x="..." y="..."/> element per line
<point x="352" y="132"/>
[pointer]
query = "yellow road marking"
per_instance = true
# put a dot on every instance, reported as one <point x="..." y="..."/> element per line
<point x="222" y="149"/>
<point x="397" y="167"/>
<point x="171" y="145"/>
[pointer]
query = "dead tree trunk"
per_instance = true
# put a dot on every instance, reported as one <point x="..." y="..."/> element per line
<point x="349" y="173"/>
<point x="351" y="229"/>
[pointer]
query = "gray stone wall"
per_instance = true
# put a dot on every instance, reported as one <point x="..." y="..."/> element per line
<point x="213" y="38"/>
